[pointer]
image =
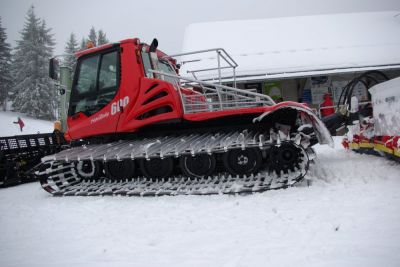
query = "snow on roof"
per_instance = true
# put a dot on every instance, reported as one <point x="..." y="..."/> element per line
<point x="300" y="46"/>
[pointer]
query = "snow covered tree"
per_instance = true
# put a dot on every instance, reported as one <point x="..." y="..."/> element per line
<point x="34" y="91"/>
<point x="102" y="38"/>
<point x="70" y="48"/>
<point x="83" y="43"/>
<point x="93" y="36"/>
<point x="5" y="67"/>
<point x="98" y="38"/>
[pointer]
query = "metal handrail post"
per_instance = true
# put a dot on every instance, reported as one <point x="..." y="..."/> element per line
<point x="220" y="81"/>
<point x="234" y="77"/>
<point x="180" y="94"/>
<point x="202" y="86"/>
<point x="219" y="67"/>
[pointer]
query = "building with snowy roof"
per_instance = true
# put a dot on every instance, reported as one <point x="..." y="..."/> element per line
<point x="298" y="58"/>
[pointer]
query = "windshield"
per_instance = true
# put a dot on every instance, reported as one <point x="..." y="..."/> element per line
<point x="162" y="66"/>
<point x="165" y="67"/>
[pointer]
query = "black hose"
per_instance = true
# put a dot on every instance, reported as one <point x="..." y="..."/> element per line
<point x="347" y="92"/>
<point x="352" y="89"/>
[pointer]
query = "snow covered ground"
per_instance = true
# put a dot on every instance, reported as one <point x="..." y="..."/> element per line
<point x="32" y="126"/>
<point x="349" y="216"/>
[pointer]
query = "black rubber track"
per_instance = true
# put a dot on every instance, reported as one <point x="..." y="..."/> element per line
<point x="60" y="179"/>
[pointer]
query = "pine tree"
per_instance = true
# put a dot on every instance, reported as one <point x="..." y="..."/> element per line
<point x="83" y="43"/>
<point x="5" y="67"/>
<point x="98" y="38"/>
<point x="93" y="36"/>
<point x="34" y="91"/>
<point x="102" y="38"/>
<point x="70" y="48"/>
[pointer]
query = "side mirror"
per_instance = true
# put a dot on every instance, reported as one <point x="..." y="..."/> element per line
<point x="153" y="46"/>
<point x="54" y="69"/>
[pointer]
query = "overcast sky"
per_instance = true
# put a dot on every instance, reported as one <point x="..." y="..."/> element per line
<point x="166" y="20"/>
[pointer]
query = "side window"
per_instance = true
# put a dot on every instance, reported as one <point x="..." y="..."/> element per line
<point x="87" y="75"/>
<point x="108" y="79"/>
<point x="165" y="67"/>
<point x="147" y="64"/>
<point x="97" y="83"/>
<point x="108" y="71"/>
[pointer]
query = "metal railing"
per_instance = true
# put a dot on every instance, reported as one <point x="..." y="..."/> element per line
<point x="224" y="61"/>
<point x="200" y="96"/>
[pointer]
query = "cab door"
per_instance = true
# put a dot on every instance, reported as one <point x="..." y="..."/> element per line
<point x="95" y="89"/>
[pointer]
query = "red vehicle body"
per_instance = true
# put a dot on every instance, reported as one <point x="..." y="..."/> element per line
<point x="139" y="99"/>
<point x="138" y="118"/>
<point x="378" y="133"/>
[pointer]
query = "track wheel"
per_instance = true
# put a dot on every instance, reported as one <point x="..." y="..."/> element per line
<point x="118" y="170"/>
<point x="285" y="157"/>
<point x="88" y="169"/>
<point x="197" y="166"/>
<point x="156" y="167"/>
<point x="242" y="162"/>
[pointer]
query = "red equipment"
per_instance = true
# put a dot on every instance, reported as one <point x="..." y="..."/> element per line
<point x="327" y="106"/>
<point x="378" y="133"/>
<point x="133" y="116"/>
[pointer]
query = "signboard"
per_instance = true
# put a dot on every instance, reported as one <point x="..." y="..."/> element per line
<point x="319" y="87"/>
<point x="337" y="88"/>
<point x="273" y="89"/>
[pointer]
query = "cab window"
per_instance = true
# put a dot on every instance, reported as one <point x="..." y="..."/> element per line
<point x="165" y="67"/>
<point x="162" y="66"/>
<point x="108" y="71"/>
<point x="96" y="84"/>
<point x="87" y="75"/>
<point x="147" y="64"/>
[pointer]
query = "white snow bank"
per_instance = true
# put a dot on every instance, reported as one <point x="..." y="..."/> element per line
<point x="293" y="46"/>
<point x="349" y="216"/>
<point x="32" y="126"/>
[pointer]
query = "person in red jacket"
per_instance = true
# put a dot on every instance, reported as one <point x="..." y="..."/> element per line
<point x="327" y="103"/>
<point x="20" y="122"/>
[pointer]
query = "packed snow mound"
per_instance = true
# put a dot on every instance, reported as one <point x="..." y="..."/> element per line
<point x="348" y="216"/>
<point x="32" y="126"/>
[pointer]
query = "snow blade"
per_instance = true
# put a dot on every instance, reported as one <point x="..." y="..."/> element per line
<point x="322" y="133"/>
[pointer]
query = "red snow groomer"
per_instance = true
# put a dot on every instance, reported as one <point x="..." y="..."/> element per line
<point x="378" y="132"/>
<point x="137" y="128"/>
